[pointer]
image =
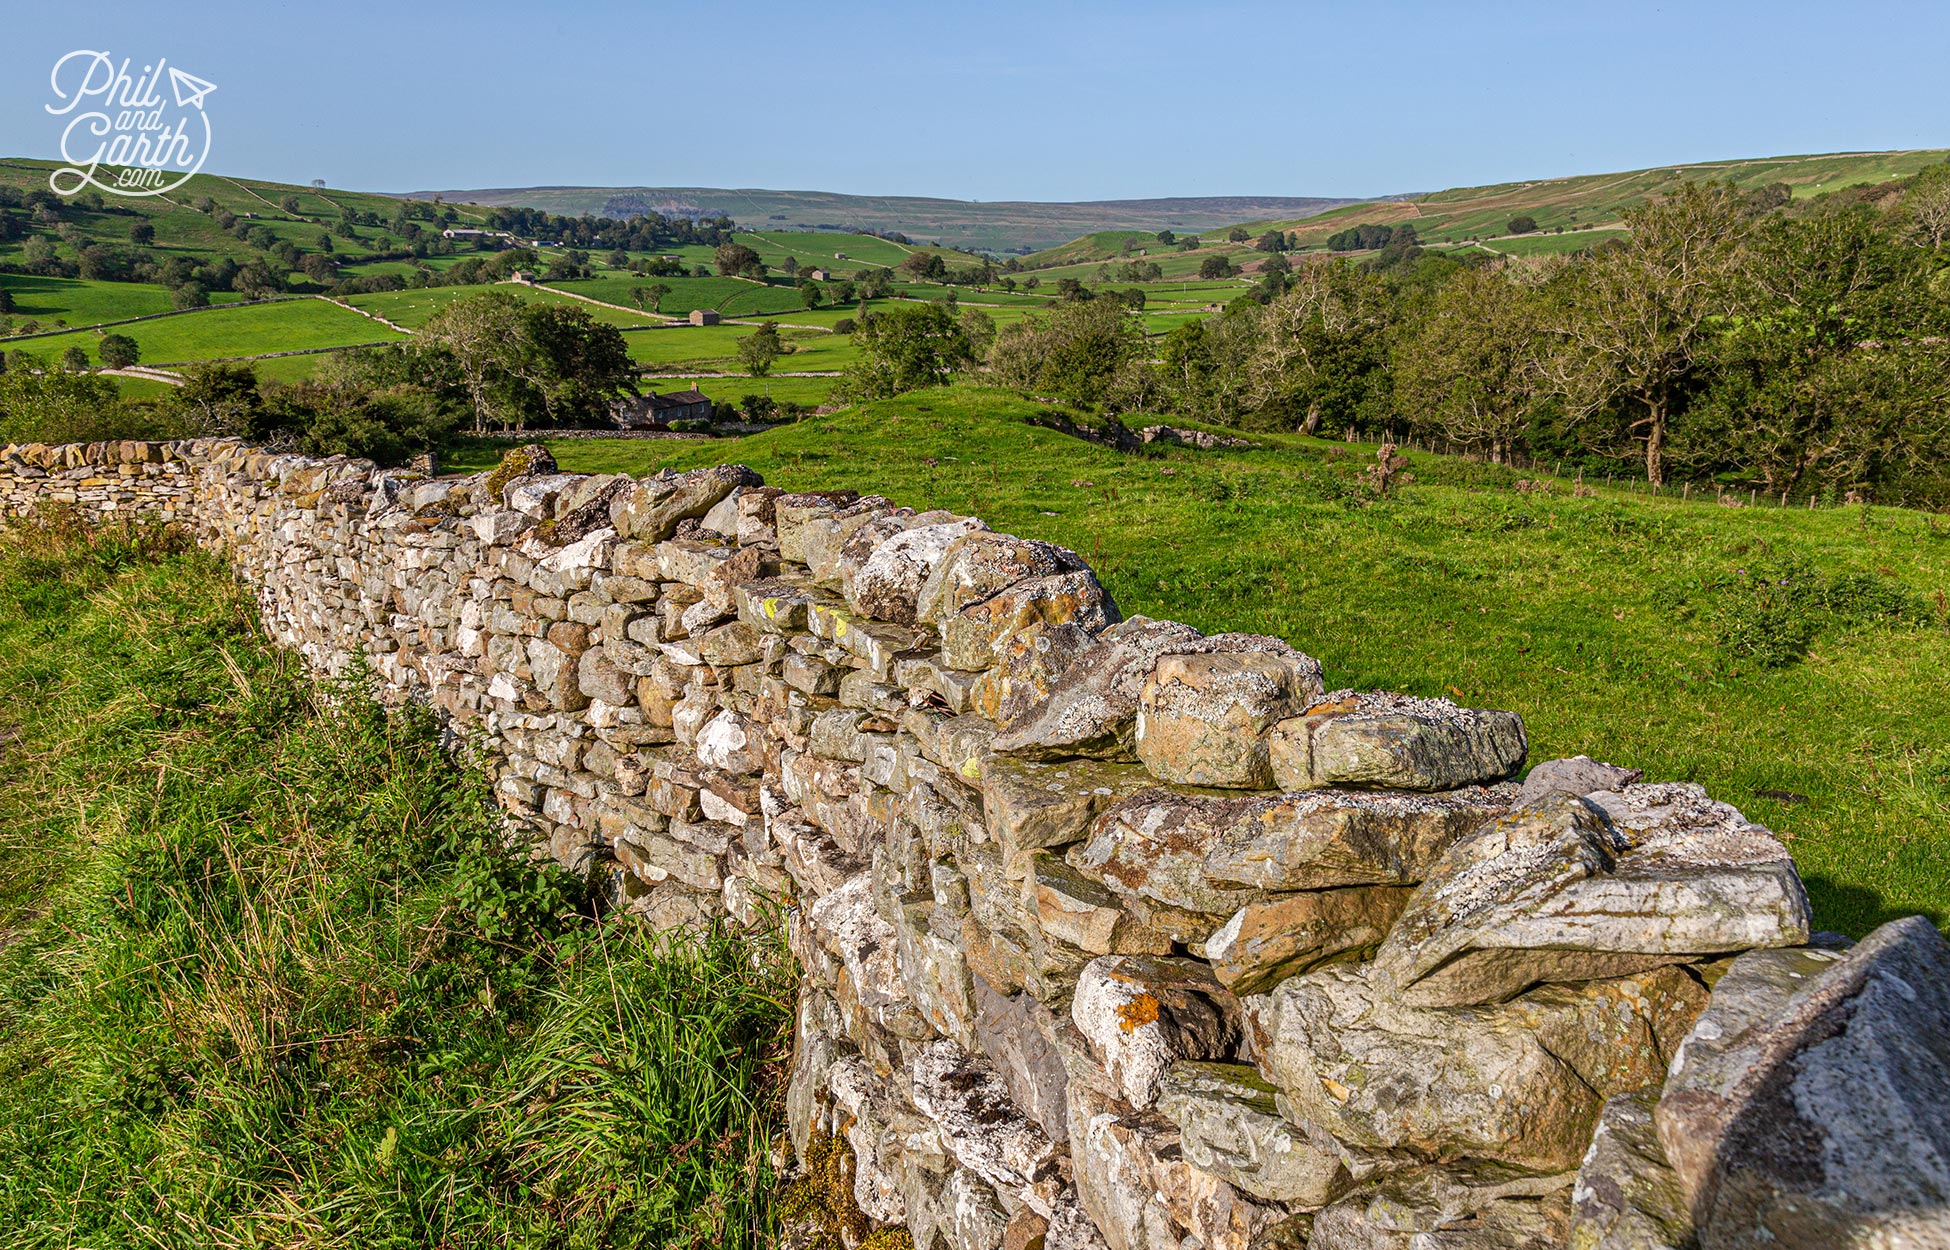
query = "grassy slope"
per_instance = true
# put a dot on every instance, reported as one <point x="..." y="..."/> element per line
<point x="78" y="302"/>
<point x="181" y="230"/>
<point x="1566" y="609"/>
<point x="959" y="223"/>
<point x="1598" y="199"/>
<point x="288" y="325"/>
<point x="268" y="977"/>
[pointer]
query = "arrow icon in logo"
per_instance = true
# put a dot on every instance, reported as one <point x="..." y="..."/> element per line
<point x="189" y="89"/>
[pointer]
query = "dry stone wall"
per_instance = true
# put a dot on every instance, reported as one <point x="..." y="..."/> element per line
<point x="1114" y="934"/>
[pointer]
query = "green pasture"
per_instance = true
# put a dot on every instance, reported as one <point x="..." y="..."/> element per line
<point x="80" y="302"/>
<point x="288" y="325"/>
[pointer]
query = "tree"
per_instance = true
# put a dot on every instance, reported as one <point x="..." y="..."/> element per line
<point x="1522" y="225"/>
<point x="1238" y="234"/>
<point x="1215" y="267"/>
<point x="735" y="260"/>
<point x="1073" y="353"/>
<point x="840" y="292"/>
<point x="118" y="351"/>
<point x="1271" y="241"/>
<point x="905" y="348"/>
<point x="809" y="294"/>
<point x="482" y="335"/>
<point x="574" y="364"/>
<point x="1822" y="375"/>
<point x="757" y="351"/>
<point x="141" y="233"/>
<point x="924" y="266"/>
<point x="223" y="397"/>
<point x="189" y="295"/>
<point x="53" y="406"/>
<point x="1320" y="346"/>
<point x="6" y="301"/>
<point x="1926" y="206"/>
<point x="1166" y="237"/>
<point x="1472" y="368"/>
<point x="979" y="328"/>
<point x="74" y="360"/>
<point x="617" y="259"/>
<point x="651" y="297"/>
<point x="1636" y="319"/>
<point x="289" y="203"/>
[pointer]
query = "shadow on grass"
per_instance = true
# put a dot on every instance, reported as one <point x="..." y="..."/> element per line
<point x="1853" y="910"/>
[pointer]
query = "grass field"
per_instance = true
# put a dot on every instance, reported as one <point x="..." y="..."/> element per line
<point x="289" y="325"/>
<point x="79" y="302"/>
<point x="1594" y="617"/>
<point x="268" y="975"/>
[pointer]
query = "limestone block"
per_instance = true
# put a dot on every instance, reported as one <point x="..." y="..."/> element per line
<point x="1092" y="708"/>
<point x="1203" y="719"/>
<point x="1810" y="1104"/>
<point x="1232" y="1128"/>
<point x="1378" y="1076"/>
<point x="1396" y="742"/>
<point x="1470" y="1206"/>
<point x="981" y="1127"/>
<point x="1627" y="1196"/>
<point x="888" y="585"/>
<point x="1559" y="892"/>
<point x="1268" y="941"/>
<point x="972" y="639"/>
<point x="1142" y="1013"/>
<point x="649" y="510"/>
<point x="981" y="564"/>
<point x="1034" y="803"/>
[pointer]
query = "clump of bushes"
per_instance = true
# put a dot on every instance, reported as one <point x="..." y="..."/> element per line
<point x="1770" y="612"/>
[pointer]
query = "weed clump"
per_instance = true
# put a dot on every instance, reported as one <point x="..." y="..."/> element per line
<point x="1770" y="612"/>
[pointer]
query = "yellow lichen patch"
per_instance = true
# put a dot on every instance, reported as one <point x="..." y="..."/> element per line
<point x="1140" y="1011"/>
<point x="1335" y="1090"/>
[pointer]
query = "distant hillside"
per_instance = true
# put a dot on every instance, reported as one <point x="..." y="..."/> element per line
<point x="1002" y="226"/>
<point x="1589" y="200"/>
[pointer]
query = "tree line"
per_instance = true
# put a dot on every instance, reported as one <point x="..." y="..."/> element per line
<point x="1798" y="347"/>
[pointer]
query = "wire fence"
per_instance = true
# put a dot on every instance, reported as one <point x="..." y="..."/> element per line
<point x="1718" y="494"/>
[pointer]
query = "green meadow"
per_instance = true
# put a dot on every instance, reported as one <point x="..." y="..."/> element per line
<point x="287" y="325"/>
<point x="79" y="302"/>
<point x="1604" y="619"/>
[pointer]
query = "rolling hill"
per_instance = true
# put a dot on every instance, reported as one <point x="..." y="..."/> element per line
<point x="1001" y="226"/>
<point x="1592" y="201"/>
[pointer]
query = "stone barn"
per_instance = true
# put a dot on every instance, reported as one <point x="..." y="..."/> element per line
<point x="704" y="316"/>
<point x="651" y="411"/>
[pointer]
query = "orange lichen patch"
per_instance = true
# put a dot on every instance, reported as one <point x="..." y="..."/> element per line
<point x="1140" y="1011"/>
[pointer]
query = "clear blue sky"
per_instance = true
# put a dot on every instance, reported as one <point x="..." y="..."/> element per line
<point x="1041" y="100"/>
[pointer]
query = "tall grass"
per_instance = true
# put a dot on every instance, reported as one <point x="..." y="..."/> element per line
<point x="269" y="975"/>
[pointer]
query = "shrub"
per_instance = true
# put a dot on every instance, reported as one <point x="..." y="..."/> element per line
<point x="118" y="351"/>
